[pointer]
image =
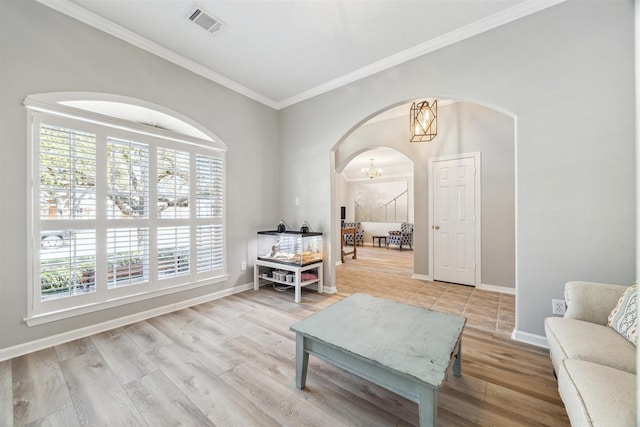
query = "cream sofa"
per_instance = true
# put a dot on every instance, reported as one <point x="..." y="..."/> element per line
<point x="595" y="366"/>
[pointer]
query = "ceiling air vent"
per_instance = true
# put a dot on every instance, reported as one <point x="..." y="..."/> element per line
<point x="205" y="20"/>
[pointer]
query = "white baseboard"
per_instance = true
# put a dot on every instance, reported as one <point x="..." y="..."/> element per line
<point x="329" y="289"/>
<point x="494" y="288"/>
<point x="422" y="277"/>
<point x="526" y="337"/>
<point x="31" y="346"/>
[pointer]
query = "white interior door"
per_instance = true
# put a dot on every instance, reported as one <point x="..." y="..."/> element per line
<point x="454" y="220"/>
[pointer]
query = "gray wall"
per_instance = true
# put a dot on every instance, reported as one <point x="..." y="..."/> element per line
<point x="44" y="51"/>
<point x="566" y="75"/>
<point x="462" y="128"/>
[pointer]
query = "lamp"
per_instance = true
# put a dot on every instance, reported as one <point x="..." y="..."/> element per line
<point x="371" y="172"/>
<point x="423" y="122"/>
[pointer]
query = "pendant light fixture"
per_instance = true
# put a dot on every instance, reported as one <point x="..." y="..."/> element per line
<point x="423" y="121"/>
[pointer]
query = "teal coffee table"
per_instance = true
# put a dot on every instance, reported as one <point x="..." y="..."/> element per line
<point x="408" y="350"/>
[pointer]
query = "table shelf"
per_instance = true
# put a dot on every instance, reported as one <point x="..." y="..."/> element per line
<point x="298" y="283"/>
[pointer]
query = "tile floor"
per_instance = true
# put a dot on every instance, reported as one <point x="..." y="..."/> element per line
<point x="387" y="273"/>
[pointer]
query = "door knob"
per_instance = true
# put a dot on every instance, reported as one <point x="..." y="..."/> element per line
<point x="437" y="227"/>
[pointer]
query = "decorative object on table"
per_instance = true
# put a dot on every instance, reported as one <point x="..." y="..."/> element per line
<point x="372" y="171"/>
<point x="290" y="247"/>
<point x="401" y="237"/>
<point x="296" y="261"/>
<point x="423" y="121"/>
<point x="305" y="228"/>
<point x="282" y="227"/>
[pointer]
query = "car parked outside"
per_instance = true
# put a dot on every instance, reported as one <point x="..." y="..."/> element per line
<point x="55" y="238"/>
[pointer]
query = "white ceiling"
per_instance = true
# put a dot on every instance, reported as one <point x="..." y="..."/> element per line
<point x="392" y="163"/>
<point x="280" y="52"/>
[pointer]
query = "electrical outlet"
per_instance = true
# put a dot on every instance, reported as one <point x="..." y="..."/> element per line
<point x="243" y="266"/>
<point x="559" y="306"/>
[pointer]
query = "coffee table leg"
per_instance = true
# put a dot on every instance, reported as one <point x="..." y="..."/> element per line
<point x="457" y="365"/>
<point x="302" y="361"/>
<point x="428" y="407"/>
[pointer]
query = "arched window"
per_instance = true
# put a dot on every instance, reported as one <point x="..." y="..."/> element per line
<point x="127" y="203"/>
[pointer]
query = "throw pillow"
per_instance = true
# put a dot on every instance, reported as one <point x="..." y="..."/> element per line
<point x="624" y="317"/>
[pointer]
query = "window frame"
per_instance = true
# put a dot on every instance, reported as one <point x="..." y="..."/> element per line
<point x="42" y="110"/>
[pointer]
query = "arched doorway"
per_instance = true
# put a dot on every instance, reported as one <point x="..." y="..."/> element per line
<point x="375" y="192"/>
<point x="463" y="127"/>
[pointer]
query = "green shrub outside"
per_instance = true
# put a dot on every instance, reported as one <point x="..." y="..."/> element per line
<point x="57" y="281"/>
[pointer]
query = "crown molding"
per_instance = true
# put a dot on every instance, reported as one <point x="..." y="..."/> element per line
<point x="473" y="29"/>
<point x="89" y="18"/>
<point x="493" y="21"/>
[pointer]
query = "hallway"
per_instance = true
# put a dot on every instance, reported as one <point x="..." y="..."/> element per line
<point x="387" y="273"/>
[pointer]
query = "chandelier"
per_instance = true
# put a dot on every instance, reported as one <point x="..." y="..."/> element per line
<point x="371" y="172"/>
<point x="423" y="123"/>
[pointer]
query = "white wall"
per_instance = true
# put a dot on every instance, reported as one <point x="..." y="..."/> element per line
<point x="566" y="75"/>
<point x="44" y="51"/>
<point x="349" y="199"/>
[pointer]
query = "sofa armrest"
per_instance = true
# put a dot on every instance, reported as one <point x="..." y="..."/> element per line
<point x="590" y="301"/>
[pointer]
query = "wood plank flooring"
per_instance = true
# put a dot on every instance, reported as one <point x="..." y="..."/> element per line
<point x="231" y="362"/>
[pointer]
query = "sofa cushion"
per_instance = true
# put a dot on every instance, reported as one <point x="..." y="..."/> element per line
<point x="596" y="395"/>
<point x="591" y="301"/>
<point x="624" y="316"/>
<point x="577" y="339"/>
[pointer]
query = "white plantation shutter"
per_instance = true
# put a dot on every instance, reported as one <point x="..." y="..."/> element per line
<point x="173" y="183"/>
<point x="209" y="186"/>
<point x="209" y="204"/>
<point x="127" y="256"/>
<point x="119" y="214"/>
<point x="67" y="172"/>
<point x="68" y="269"/>
<point x="173" y="251"/>
<point x="67" y="176"/>
<point x="127" y="199"/>
<point x="127" y="179"/>
<point x="210" y="244"/>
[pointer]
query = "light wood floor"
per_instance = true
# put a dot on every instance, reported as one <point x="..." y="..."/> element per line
<point x="232" y="362"/>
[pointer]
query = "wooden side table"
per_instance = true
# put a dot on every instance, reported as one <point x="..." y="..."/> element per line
<point x="373" y="238"/>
